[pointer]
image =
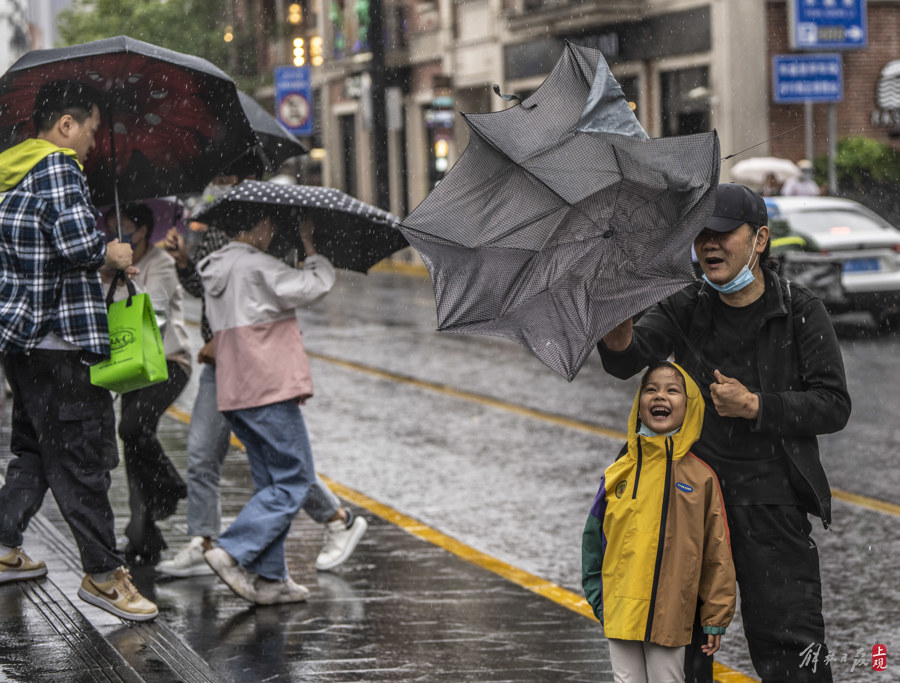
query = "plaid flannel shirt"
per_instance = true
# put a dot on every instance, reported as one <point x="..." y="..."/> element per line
<point x="50" y="250"/>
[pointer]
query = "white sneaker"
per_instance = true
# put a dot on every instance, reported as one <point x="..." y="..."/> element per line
<point x="188" y="561"/>
<point x="340" y="542"/>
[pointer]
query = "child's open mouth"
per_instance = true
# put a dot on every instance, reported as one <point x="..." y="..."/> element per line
<point x="660" y="411"/>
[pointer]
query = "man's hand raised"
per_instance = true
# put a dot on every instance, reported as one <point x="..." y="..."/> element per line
<point x="733" y="399"/>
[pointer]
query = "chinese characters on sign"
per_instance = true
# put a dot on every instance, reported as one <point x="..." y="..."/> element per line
<point x="827" y="24"/>
<point x="807" y="78"/>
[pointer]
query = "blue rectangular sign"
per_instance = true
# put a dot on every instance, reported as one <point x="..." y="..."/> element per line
<point x="293" y="99"/>
<point x="828" y="24"/>
<point x="807" y="78"/>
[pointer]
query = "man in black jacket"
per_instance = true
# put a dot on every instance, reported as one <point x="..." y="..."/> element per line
<point x="768" y="363"/>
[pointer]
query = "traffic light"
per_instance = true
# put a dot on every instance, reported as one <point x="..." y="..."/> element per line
<point x="299" y="52"/>
<point x="315" y="51"/>
<point x="295" y="14"/>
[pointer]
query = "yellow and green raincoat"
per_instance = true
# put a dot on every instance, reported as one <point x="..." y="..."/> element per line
<point x="657" y="539"/>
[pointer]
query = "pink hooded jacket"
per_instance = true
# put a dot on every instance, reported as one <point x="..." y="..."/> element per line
<point x="250" y="302"/>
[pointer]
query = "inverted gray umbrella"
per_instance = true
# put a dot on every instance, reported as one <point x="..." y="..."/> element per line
<point x="350" y="233"/>
<point x="561" y="219"/>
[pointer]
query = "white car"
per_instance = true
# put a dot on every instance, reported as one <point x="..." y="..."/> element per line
<point x="865" y="245"/>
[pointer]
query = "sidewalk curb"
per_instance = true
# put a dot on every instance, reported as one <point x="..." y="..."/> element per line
<point x="130" y="652"/>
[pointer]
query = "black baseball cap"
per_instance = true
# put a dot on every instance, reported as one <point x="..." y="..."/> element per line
<point x="736" y="205"/>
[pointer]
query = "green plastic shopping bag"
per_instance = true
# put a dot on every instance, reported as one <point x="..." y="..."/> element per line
<point x="138" y="359"/>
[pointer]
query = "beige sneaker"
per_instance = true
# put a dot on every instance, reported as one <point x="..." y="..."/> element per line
<point x="278" y="592"/>
<point x="17" y="566"/>
<point x="251" y="586"/>
<point x="118" y="596"/>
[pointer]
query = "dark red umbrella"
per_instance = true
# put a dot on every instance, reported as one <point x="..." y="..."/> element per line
<point x="176" y="118"/>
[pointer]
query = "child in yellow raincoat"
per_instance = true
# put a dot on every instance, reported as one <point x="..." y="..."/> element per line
<point x="656" y="539"/>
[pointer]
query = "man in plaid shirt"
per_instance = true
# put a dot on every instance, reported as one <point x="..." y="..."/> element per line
<point x="52" y="325"/>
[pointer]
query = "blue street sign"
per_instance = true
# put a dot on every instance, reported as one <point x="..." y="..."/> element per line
<point x="828" y="24"/>
<point x="293" y="99"/>
<point x="807" y="78"/>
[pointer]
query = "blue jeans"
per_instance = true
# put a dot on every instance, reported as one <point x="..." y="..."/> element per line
<point x="208" y="439"/>
<point x="207" y="446"/>
<point x="281" y="466"/>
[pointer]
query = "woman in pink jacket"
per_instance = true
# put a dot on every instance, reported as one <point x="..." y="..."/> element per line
<point x="262" y="377"/>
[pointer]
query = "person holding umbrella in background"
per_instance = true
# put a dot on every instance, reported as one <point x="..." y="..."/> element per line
<point x="208" y="440"/>
<point x="154" y="485"/>
<point x="52" y="326"/>
<point x="262" y="374"/>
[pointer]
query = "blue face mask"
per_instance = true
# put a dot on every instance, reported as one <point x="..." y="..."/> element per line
<point x="742" y="279"/>
<point x="646" y="431"/>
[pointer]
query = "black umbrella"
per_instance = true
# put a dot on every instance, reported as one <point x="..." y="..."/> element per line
<point x="276" y="143"/>
<point x="350" y="233"/>
<point x="176" y="118"/>
<point x="561" y="219"/>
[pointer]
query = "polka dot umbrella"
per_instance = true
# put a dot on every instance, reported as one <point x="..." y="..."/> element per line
<point x="169" y="122"/>
<point x="350" y="233"/>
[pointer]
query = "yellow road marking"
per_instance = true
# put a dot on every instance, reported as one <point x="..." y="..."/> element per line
<point x="866" y="502"/>
<point x="185" y="417"/>
<point x="535" y="584"/>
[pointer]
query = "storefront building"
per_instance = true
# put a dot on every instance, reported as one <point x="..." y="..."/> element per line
<point x="687" y="67"/>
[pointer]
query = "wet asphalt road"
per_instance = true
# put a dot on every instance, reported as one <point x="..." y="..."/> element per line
<point x="517" y="484"/>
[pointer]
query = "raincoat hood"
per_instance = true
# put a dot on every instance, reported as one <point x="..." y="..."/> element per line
<point x="682" y="440"/>
<point x="17" y="162"/>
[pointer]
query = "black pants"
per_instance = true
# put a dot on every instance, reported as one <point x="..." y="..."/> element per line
<point x="154" y="485"/>
<point x="63" y="434"/>
<point x="777" y="566"/>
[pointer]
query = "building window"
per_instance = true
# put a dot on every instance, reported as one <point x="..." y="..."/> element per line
<point x="631" y="87"/>
<point x="439" y="137"/>
<point x="685" y="101"/>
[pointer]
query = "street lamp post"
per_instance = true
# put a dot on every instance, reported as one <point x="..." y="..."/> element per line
<point x="378" y="74"/>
